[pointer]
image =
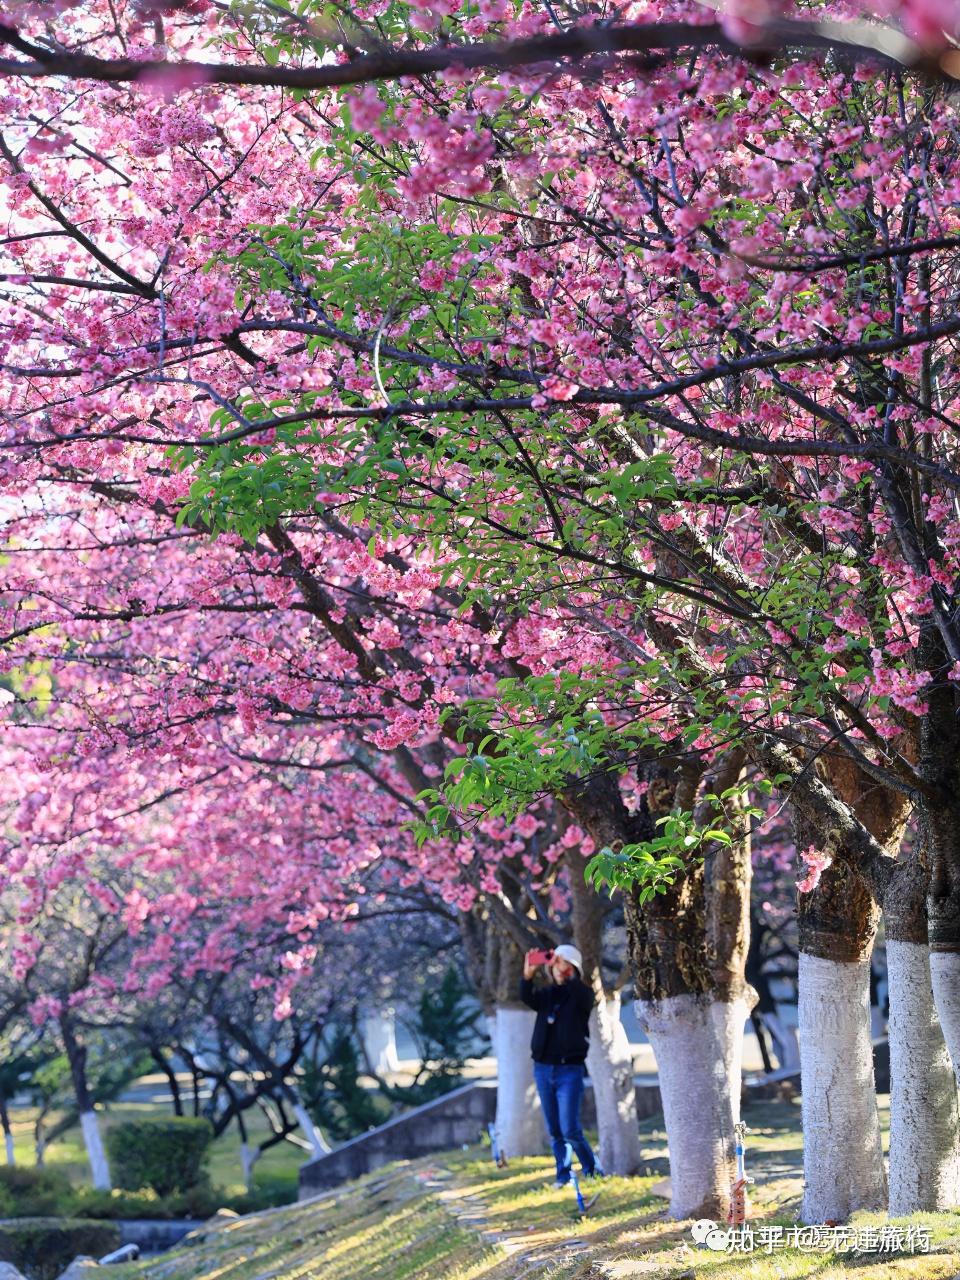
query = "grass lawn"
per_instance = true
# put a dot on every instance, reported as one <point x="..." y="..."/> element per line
<point x="279" y="1164"/>
<point x="456" y="1217"/>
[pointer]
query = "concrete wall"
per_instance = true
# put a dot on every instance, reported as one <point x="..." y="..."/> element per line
<point x="462" y="1117"/>
<point x="457" y="1118"/>
<point x="154" y="1235"/>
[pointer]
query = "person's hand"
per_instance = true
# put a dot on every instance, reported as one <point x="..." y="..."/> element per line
<point x="529" y="966"/>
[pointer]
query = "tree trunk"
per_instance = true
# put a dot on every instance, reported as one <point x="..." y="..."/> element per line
<point x="842" y="1155"/>
<point x="318" y="1143"/>
<point x="93" y="1141"/>
<point x="248" y="1155"/>
<point x="786" y="1045"/>
<point x="379" y="1034"/>
<point x="519" y="1122"/>
<point x="924" y="1114"/>
<point x="173" y="1084"/>
<point x="609" y="1059"/>
<point x="695" y="1042"/>
<point x="610" y="1065"/>
<point x="7" y="1130"/>
<point x="687" y="952"/>
<point x="89" y="1121"/>
<point x="248" y="1158"/>
<point x="843" y="1159"/>
<point x="940" y="823"/>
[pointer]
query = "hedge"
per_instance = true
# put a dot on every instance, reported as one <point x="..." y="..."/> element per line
<point x="27" y="1192"/>
<point x="43" y="1247"/>
<point x="165" y="1153"/>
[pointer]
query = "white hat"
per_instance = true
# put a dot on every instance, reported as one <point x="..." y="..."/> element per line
<point x="570" y="954"/>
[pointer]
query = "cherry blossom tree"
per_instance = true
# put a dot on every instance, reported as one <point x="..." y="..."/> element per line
<point x="596" y="410"/>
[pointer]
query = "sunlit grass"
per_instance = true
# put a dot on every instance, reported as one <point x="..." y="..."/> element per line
<point x="407" y="1223"/>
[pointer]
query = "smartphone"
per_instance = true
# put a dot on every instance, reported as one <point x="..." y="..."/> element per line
<point x="541" y="957"/>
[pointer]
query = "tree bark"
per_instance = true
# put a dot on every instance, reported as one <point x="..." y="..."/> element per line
<point x="842" y="1155"/>
<point x="695" y="1041"/>
<point x="519" y="1120"/>
<point x="843" y="1164"/>
<point x="318" y="1143"/>
<point x="158" y="1056"/>
<point x="609" y="1060"/>
<point x="924" y="1111"/>
<point x="89" y="1121"/>
<point x="610" y="1065"/>
<point x="940" y="823"/>
<point x="843" y="1158"/>
<point x="7" y="1130"/>
<point x="687" y="952"/>
<point x="519" y="1123"/>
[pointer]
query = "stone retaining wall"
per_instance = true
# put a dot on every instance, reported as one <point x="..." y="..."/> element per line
<point x="461" y="1117"/>
<point x="458" y="1118"/>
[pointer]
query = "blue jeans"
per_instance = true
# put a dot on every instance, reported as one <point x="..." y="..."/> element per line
<point x="561" y="1089"/>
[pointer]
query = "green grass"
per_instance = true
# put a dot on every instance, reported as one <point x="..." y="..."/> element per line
<point x="280" y="1164"/>
<point x="456" y="1217"/>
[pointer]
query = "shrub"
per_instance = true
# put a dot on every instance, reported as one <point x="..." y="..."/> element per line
<point x="43" y="1247"/>
<point x="264" y="1195"/>
<point x="89" y="1203"/>
<point x="34" y="1193"/>
<point x="165" y="1153"/>
<point x="201" y="1201"/>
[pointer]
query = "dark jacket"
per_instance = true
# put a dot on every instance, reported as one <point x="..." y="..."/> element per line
<point x="563" y="1017"/>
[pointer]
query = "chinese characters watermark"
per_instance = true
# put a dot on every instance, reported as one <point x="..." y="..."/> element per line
<point x="818" y="1239"/>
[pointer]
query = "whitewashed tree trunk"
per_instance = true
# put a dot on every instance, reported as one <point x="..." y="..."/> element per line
<point x="379" y="1033"/>
<point x="945" y="976"/>
<point x="785" y="1043"/>
<point x="519" y="1121"/>
<point x="729" y="1023"/>
<point x="490" y="1019"/>
<point x="610" y="1064"/>
<point x="697" y="1043"/>
<point x="248" y="1158"/>
<point x="11" y="1154"/>
<point x="924" y="1113"/>
<point x="842" y="1156"/>
<point x="93" y="1141"/>
<point x="318" y="1143"/>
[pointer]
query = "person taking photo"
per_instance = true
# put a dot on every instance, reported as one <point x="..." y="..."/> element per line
<point x="559" y="1049"/>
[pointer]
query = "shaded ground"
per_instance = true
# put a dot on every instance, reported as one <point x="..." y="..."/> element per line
<point x="456" y="1217"/>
